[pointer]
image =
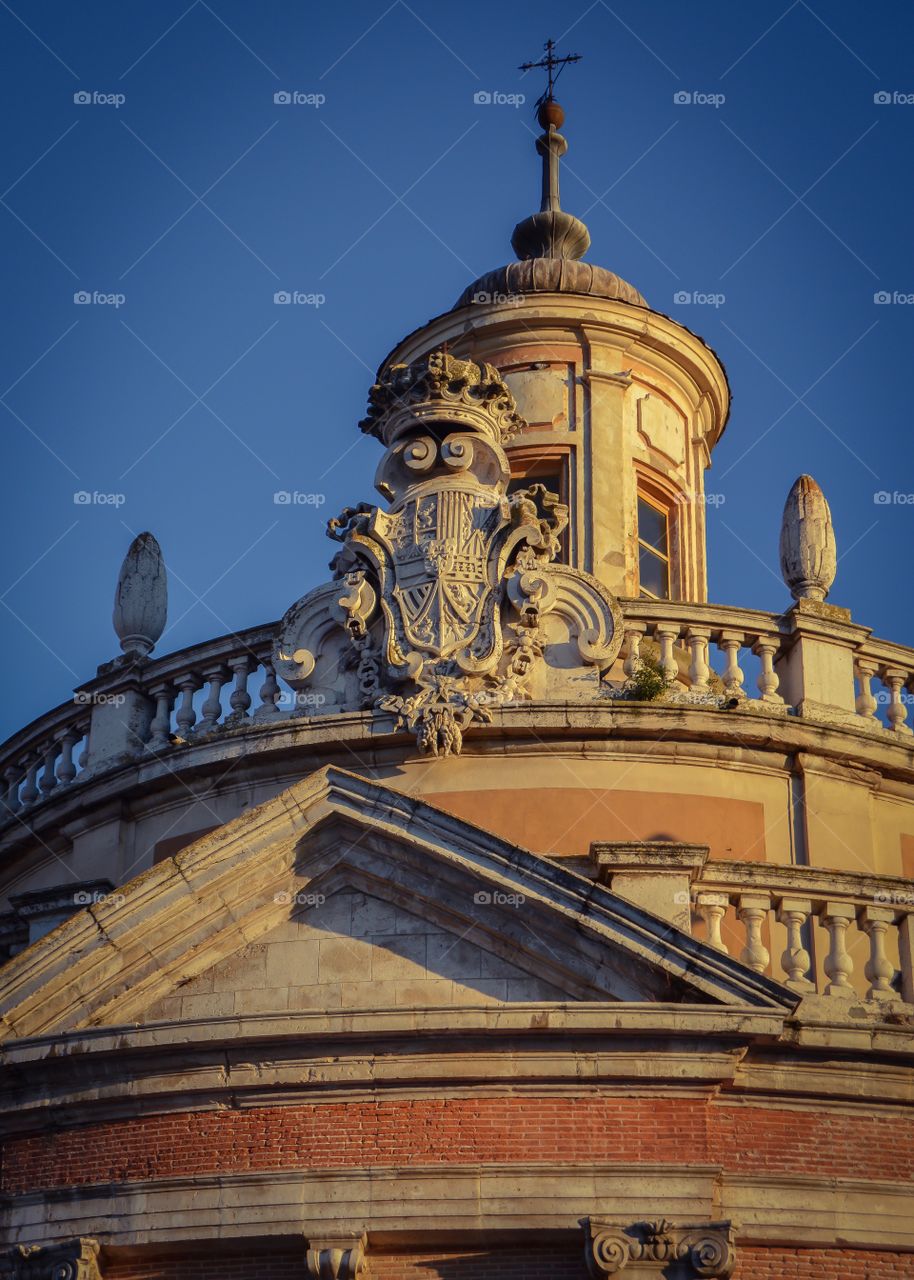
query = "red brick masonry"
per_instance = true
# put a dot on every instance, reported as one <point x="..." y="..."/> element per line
<point x="463" y="1131"/>
<point x="545" y="1263"/>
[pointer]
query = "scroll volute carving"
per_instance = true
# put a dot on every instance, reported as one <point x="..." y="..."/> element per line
<point x="76" y="1259"/>
<point x="658" y="1249"/>
<point x="337" y="1259"/>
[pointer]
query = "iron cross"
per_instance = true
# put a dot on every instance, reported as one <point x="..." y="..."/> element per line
<point x="550" y="62"/>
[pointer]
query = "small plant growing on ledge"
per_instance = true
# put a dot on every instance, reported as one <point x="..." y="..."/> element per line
<point x="650" y="682"/>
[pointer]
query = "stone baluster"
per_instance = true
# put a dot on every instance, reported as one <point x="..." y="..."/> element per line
<point x="906" y="954"/>
<point x="633" y="634"/>
<point x="896" y="712"/>
<point x="186" y="715"/>
<point x="160" y="728"/>
<point x="765" y="648"/>
<point x="752" y="910"/>
<point x="66" y="769"/>
<point x="795" y="959"/>
<point x="12" y="776"/>
<point x="49" y="768"/>
<point x="211" y="711"/>
<point x="837" y="917"/>
<point x="667" y="634"/>
<point x="241" y="666"/>
<point x="699" y="671"/>
<point x="269" y="694"/>
<point x="879" y="970"/>
<point x="713" y="908"/>
<point x="867" y="703"/>
<point x="29" y="793"/>
<point x="730" y="643"/>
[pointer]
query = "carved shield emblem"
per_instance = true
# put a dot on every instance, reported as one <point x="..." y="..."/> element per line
<point x="441" y="547"/>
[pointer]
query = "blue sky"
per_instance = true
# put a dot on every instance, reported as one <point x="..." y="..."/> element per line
<point x="197" y="197"/>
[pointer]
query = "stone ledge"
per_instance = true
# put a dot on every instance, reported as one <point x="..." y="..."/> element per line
<point x="799" y="1212"/>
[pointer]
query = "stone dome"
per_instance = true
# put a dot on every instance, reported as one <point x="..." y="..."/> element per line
<point x="549" y="275"/>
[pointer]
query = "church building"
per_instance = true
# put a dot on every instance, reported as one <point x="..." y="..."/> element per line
<point x="504" y="908"/>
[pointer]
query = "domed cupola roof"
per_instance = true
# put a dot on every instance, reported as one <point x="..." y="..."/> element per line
<point x="550" y="243"/>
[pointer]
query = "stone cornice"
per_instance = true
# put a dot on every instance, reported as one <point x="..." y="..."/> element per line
<point x="272" y="1060"/>
<point x="491" y="1202"/>
<point x="609" y="728"/>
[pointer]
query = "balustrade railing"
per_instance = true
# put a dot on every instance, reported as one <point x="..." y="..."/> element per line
<point x="834" y="933"/>
<point x="714" y="655"/>
<point x="192" y="693"/>
<point x="749" y="644"/>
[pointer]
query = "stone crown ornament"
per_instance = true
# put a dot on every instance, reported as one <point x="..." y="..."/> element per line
<point x="441" y="388"/>
<point x="450" y="602"/>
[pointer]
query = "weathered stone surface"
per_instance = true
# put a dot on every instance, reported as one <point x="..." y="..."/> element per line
<point x="141" y="599"/>
<point x="809" y="558"/>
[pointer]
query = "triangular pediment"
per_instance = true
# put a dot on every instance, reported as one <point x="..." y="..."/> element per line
<point x="346" y="866"/>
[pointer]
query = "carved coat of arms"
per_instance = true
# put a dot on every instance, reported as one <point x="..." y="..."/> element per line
<point x="443" y="595"/>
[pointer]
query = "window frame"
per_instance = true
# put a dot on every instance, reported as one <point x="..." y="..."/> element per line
<point x="666" y="499"/>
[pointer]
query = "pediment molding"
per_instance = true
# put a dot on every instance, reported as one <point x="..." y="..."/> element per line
<point x="117" y="957"/>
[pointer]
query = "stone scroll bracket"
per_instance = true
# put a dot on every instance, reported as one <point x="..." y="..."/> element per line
<point x="75" y="1259"/>
<point x="337" y="1258"/>
<point x="658" y="1249"/>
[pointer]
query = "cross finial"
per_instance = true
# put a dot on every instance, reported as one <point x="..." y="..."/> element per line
<point x="550" y="62"/>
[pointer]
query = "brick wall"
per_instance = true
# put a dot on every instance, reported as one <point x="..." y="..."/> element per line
<point x="463" y="1131"/>
<point x="541" y="1263"/>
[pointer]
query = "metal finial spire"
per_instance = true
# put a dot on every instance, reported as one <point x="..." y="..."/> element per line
<point x="551" y="233"/>
<point x="550" y="62"/>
